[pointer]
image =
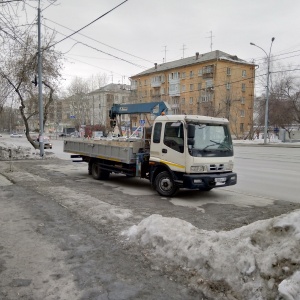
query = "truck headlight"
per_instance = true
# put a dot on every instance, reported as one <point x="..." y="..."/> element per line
<point x="198" y="169"/>
<point x="228" y="166"/>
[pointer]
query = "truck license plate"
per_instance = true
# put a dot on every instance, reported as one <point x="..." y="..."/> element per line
<point x="220" y="181"/>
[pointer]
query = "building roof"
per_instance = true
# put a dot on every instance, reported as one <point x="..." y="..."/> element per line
<point x="196" y="59"/>
<point x="111" y="87"/>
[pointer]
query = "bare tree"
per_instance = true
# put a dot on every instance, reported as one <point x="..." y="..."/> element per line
<point x="19" y="71"/>
<point x="284" y="105"/>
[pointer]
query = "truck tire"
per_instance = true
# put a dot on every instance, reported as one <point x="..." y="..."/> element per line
<point x="98" y="173"/>
<point x="165" y="185"/>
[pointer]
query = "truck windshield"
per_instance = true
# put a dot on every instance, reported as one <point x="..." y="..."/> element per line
<point x="211" y="140"/>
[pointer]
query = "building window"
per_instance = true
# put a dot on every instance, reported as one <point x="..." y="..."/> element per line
<point x="209" y="83"/>
<point x="174" y="75"/>
<point x="228" y="86"/>
<point x="205" y="97"/>
<point x="242" y="100"/>
<point x="145" y="83"/>
<point x="242" y="113"/>
<point x="191" y="74"/>
<point x="190" y="112"/>
<point x="241" y="127"/>
<point x="228" y="71"/>
<point x="162" y="91"/>
<point x="200" y="72"/>
<point x="183" y="88"/>
<point x="183" y="75"/>
<point x="183" y="101"/>
<point x="145" y="93"/>
<point x="244" y="73"/>
<point x="191" y="87"/>
<point x="199" y="86"/>
<point x="243" y="87"/>
<point x="208" y="69"/>
<point x="191" y="100"/>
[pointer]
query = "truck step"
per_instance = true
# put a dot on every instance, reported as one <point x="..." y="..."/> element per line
<point x="76" y="156"/>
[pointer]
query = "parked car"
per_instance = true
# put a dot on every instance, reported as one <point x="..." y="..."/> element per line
<point x="13" y="135"/>
<point x="47" y="143"/>
<point x="63" y="135"/>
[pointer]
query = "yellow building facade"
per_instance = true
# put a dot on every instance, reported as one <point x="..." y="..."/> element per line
<point x="212" y="84"/>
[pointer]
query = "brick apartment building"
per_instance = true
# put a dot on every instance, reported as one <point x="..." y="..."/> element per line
<point x="213" y="84"/>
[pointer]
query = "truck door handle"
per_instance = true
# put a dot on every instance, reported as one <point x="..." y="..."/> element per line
<point x="164" y="150"/>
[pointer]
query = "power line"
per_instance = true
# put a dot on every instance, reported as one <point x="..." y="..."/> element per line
<point x="101" y="42"/>
<point x="88" y="24"/>
<point x="94" y="48"/>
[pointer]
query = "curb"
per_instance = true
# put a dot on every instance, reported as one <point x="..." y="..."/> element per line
<point x="279" y="145"/>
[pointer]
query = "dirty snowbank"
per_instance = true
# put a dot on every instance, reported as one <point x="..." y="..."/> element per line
<point x="9" y="150"/>
<point x="258" y="261"/>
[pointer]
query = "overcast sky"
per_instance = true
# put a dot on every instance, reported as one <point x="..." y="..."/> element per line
<point x="157" y="30"/>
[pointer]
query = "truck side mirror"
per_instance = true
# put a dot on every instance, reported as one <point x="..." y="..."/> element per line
<point x="191" y="131"/>
<point x="191" y="142"/>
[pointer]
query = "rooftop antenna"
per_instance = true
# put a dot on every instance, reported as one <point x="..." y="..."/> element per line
<point x="210" y="37"/>
<point x="183" y="48"/>
<point x="165" y="59"/>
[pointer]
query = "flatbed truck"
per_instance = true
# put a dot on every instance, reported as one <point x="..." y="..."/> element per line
<point x="182" y="152"/>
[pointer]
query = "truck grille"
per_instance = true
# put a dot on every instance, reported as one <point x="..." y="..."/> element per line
<point x="216" y="167"/>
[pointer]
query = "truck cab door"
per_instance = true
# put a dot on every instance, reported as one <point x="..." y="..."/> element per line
<point x="168" y="145"/>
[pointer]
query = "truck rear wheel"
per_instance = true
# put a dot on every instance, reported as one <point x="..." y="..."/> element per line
<point x="165" y="185"/>
<point x="98" y="173"/>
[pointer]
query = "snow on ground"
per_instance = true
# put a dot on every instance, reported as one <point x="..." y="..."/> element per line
<point x="257" y="261"/>
<point x="10" y="150"/>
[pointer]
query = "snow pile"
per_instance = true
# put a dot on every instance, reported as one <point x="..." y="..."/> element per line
<point x="9" y="150"/>
<point x="258" y="261"/>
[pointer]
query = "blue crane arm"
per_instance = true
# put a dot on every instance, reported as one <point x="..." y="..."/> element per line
<point x="155" y="108"/>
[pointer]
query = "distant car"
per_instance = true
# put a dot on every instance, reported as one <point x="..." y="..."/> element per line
<point x="63" y="135"/>
<point x="13" y="135"/>
<point x="47" y="143"/>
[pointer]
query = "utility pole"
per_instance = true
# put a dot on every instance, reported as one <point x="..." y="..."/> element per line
<point x="268" y="88"/>
<point x="41" y="112"/>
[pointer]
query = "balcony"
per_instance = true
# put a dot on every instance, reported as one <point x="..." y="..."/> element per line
<point x="175" y="105"/>
<point x="156" y="81"/>
<point x="208" y="72"/>
<point x="155" y="84"/>
<point x="208" y="75"/>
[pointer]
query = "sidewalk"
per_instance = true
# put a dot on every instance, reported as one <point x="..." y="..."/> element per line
<point x="260" y="143"/>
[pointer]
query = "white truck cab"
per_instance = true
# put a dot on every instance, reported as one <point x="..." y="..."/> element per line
<point x="195" y="152"/>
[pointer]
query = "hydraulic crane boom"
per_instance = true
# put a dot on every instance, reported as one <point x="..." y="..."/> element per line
<point x="155" y="108"/>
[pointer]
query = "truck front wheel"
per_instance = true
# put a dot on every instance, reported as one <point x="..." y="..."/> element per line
<point x="98" y="173"/>
<point x="165" y="184"/>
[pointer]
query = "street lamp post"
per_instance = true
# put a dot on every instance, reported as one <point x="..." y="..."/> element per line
<point x="267" y="94"/>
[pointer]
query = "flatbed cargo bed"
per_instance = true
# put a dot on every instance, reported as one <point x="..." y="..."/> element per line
<point x="117" y="150"/>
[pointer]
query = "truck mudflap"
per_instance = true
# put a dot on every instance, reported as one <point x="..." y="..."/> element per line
<point x="208" y="181"/>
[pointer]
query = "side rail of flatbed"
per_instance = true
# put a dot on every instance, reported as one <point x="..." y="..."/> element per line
<point x="115" y="150"/>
